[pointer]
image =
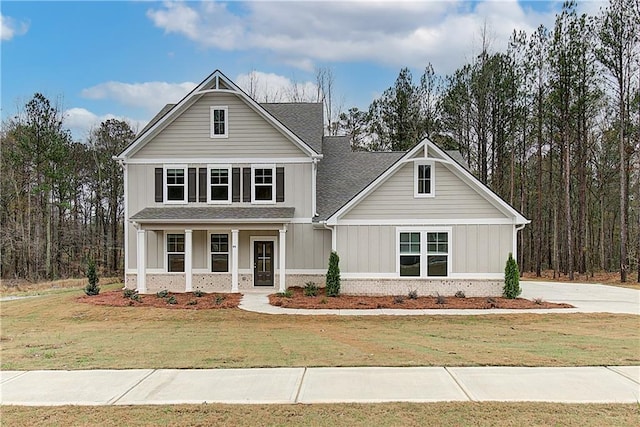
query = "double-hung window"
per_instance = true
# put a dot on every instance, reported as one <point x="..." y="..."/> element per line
<point x="175" y="253"/>
<point x="424" y="253"/>
<point x="219" y="122"/>
<point x="264" y="184"/>
<point x="219" y="253"/>
<point x="175" y="184"/>
<point x="424" y="182"/>
<point x="219" y="184"/>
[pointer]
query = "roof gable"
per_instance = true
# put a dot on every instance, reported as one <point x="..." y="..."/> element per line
<point x="216" y="82"/>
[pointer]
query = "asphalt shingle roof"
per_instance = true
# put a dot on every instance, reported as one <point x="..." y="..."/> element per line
<point x="343" y="173"/>
<point x="304" y="119"/>
<point x="214" y="214"/>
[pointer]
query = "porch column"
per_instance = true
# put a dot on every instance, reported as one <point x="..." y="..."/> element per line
<point x="141" y="261"/>
<point x="188" y="260"/>
<point x="234" y="260"/>
<point x="283" y="254"/>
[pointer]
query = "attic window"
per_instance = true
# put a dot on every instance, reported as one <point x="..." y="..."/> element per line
<point x="424" y="179"/>
<point x="219" y="122"/>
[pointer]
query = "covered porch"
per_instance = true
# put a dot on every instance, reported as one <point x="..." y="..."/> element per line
<point x="211" y="249"/>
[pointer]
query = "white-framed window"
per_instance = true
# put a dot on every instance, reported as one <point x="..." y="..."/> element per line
<point x="263" y="186"/>
<point x="424" y="178"/>
<point x="175" y="253"/>
<point x="219" y="122"/>
<point x="219" y="248"/>
<point x="424" y="252"/>
<point x="175" y="184"/>
<point x="219" y="187"/>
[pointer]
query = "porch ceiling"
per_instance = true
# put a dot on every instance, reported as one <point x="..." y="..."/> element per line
<point x="213" y="214"/>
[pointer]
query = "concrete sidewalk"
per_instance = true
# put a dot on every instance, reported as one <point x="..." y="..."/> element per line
<point x="616" y="384"/>
<point x="586" y="298"/>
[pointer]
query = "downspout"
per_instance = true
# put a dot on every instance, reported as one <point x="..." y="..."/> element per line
<point x="333" y="235"/>
<point x="314" y="174"/>
<point x="515" y="240"/>
<point x="125" y="242"/>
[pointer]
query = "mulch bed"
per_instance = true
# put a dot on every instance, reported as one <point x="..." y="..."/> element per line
<point x="182" y="300"/>
<point x="299" y="300"/>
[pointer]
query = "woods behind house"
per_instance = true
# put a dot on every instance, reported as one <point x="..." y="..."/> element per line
<point x="551" y="124"/>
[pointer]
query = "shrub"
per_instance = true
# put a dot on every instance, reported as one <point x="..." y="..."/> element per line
<point x="92" y="287"/>
<point x="198" y="293"/>
<point x="333" y="275"/>
<point x="192" y="302"/>
<point x="310" y="289"/>
<point x="172" y="300"/>
<point x="440" y="299"/>
<point x="460" y="294"/>
<point x="220" y="299"/>
<point x="511" y="279"/>
<point x="538" y="301"/>
<point x="398" y="299"/>
<point x="323" y="301"/>
<point x="132" y="294"/>
<point x="162" y="294"/>
<point x="286" y="294"/>
<point x="413" y="294"/>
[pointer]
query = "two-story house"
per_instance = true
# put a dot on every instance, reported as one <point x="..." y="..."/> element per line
<point x="226" y="194"/>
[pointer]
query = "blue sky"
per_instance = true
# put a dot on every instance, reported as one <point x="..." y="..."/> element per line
<point x="123" y="59"/>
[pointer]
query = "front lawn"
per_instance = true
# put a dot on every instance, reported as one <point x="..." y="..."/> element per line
<point x="55" y="331"/>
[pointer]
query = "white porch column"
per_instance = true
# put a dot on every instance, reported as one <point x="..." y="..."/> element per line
<point x="141" y="262"/>
<point x="188" y="260"/>
<point x="283" y="254"/>
<point x="234" y="260"/>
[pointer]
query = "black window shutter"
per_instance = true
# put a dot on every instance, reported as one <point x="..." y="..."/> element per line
<point x="202" y="184"/>
<point x="192" y="185"/>
<point x="246" y="184"/>
<point x="235" y="184"/>
<point x="159" y="185"/>
<point x="279" y="184"/>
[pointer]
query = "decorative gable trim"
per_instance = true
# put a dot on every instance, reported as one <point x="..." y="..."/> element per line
<point x="413" y="156"/>
<point x="214" y="83"/>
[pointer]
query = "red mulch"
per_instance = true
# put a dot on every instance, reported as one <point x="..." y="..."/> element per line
<point x="298" y="300"/>
<point x="183" y="300"/>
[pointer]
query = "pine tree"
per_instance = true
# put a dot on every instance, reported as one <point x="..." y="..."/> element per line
<point x="333" y="275"/>
<point x="92" y="287"/>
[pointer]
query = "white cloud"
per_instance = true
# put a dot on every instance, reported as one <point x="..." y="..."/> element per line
<point x="150" y="95"/>
<point x="269" y="87"/>
<point x="9" y="27"/>
<point x="81" y="121"/>
<point x="302" y="33"/>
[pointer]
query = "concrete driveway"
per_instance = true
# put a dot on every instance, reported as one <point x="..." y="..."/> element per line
<point x="587" y="298"/>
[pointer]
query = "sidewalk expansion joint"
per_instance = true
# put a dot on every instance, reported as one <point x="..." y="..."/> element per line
<point x="114" y="401"/>
<point x="623" y="375"/>
<point x="459" y="384"/>
<point x="295" y="400"/>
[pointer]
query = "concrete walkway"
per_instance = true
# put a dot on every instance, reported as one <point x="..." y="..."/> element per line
<point x="586" y="298"/>
<point x="616" y="384"/>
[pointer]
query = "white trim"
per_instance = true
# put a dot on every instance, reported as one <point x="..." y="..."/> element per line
<point x="424" y="253"/>
<point x="432" y="178"/>
<point x="167" y="253"/>
<point x="234" y="260"/>
<point x="212" y="109"/>
<point x="125" y="177"/>
<point x="276" y="258"/>
<point x="229" y="160"/>
<point x="367" y="275"/>
<point x="282" y="242"/>
<point x="311" y="271"/>
<point x="188" y="260"/>
<point x="165" y="185"/>
<point x="273" y="184"/>
<point x="210" y="167"/>
<point x="177" y="224"/>
<point x="301" y="221"/>
<point x="456" y="276"/>
<point x="314" y="173"/>
<point x="427" y="222"/>
<point x="478" y="276"/>
<point x="141" y="239"/>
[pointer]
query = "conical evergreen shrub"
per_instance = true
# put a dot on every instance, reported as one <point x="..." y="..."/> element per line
<point x="511" y="279"/>
<point x="333" y="275"/>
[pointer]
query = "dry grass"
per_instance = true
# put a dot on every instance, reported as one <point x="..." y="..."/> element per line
<point x="605" y="278"/>
<point x="24" y="287"/>
<point x="381" y="414"/>
<point x="56" y="331"/>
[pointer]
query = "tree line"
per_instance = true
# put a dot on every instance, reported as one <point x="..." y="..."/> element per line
<point x="551" y="124"/>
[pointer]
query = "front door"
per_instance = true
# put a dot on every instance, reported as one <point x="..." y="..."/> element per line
<point x="263" y="263"/>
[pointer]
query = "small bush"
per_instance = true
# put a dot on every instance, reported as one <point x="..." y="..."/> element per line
<point x="172" y="300"/>
<point x="323" y="301"/>
<point x="92" y="287"/>
<point x="460" y="294"/>
<point x="440" y="299"/>
<point x="492" y="302"/>
<point x="413" y="294"/>
<point x="538" y="301"/>
<point x="310" y="289"/>
<point x="398" y="299"/>
<point x="132" y="294"/>
<point x="192" y="302"/>
<point x="511" y="279"/>
<point x="220" y="299"/>
<point x="333" y="275"/>
<point x="198" y="293"/>
<point x="162" y="294"/>
<point x="286" y="294"/>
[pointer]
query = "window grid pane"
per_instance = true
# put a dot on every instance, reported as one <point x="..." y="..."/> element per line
<point x="175" y="184"/>
<point x="220" y="253"/>
<point x="263" y="182"/>
<point x="424" y="179"/>
<point x="410" y="243"/>
<point x="218" y="122"/>
<point x="175" y="253"/>
<point x="219" y="181"/>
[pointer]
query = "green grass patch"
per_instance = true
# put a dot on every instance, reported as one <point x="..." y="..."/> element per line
<point x="382" y="414"/>
<point x="55" y="331"/>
